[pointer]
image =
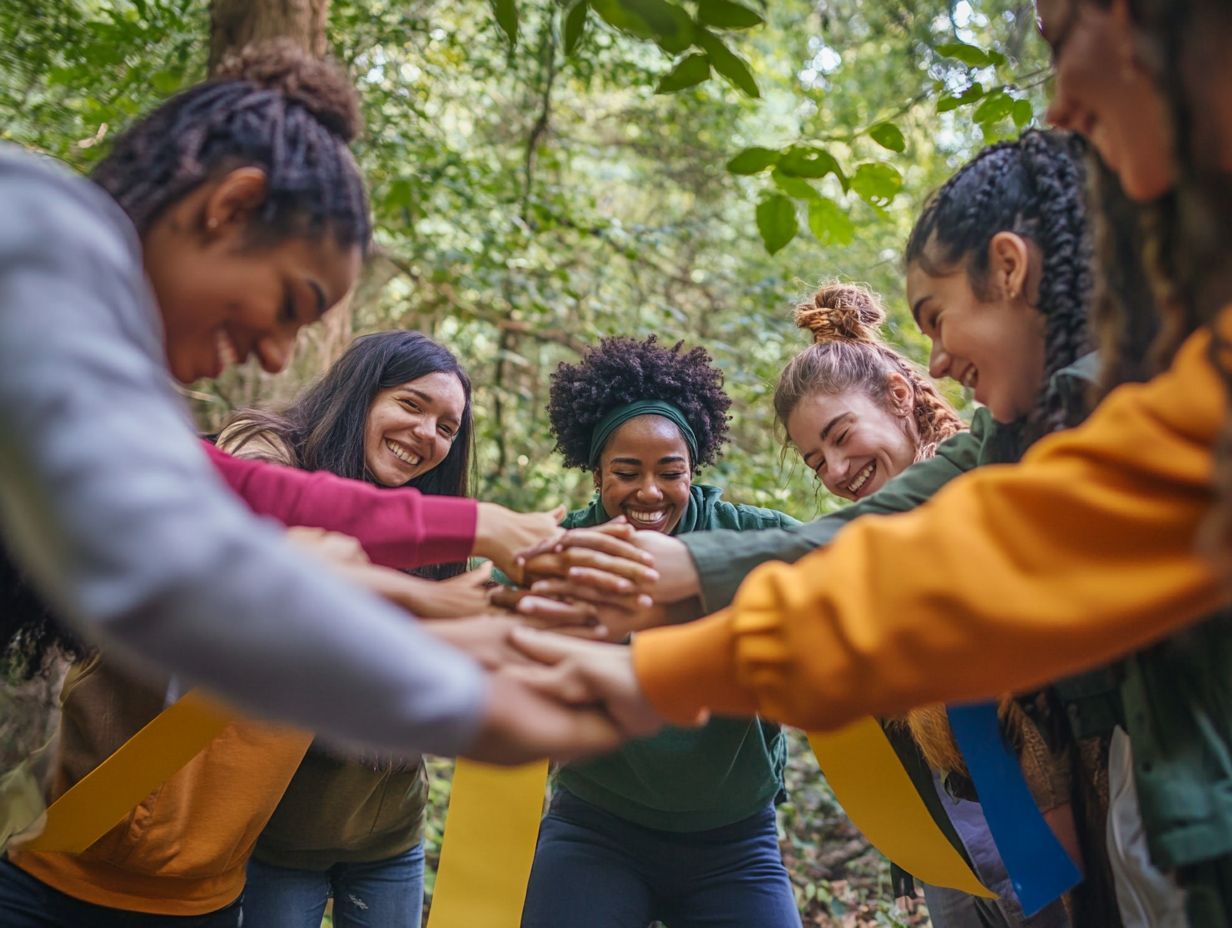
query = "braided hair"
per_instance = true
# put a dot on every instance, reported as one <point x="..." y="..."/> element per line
<point x="271" y="106"/>
<point x="1034" y="187"/>
<point x="622" y="370"/>
<point x="848" y="353"/>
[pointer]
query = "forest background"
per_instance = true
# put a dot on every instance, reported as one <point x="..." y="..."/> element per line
<point x="545" y="173"/>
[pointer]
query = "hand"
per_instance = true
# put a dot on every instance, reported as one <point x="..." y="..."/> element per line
<point x="521" y="725"/>
<point x="458" y="597"/>
<point x="501" y="534"/>
<point x="483" y="637"/>
<point x="604" y="556"/>
<point x="331" y="547"/>
<point x="565" y="602"/>
<point x="585" y="673"/>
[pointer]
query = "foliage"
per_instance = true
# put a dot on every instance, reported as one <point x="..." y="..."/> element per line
<point x="544" y="173"/>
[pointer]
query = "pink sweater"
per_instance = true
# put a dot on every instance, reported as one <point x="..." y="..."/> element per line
<point x="397" y="528"/>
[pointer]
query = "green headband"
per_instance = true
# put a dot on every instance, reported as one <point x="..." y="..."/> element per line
<point x="622" y="414"/>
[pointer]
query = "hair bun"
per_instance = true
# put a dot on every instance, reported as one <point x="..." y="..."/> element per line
<point x="317" y="85"/>
<point x="842" y="312"/>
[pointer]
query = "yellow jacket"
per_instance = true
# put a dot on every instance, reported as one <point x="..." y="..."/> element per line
<point x="1009" y="577"/>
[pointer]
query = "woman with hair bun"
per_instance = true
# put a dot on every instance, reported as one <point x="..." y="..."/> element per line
<point x="680" y="827"/>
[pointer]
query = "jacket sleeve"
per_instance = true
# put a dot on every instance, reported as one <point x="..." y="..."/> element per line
<point x="724" y="558"/>
<point x="110" y="503"/>
<point x="397" y="528"/>
<point x="1009" y="577"/>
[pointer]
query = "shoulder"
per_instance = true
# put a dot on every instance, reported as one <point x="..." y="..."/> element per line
<point x="742" y="517"/>
<point x="242" y="440"/>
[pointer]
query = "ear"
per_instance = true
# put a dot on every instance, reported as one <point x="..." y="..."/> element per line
<point x="235" y="197"/>
<point x="899" y="393"/>
<point x="598" y="477"/>
<point x="1009" y="264"/>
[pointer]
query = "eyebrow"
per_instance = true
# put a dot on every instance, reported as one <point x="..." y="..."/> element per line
<point x="428" y="398"/>
<point x="832" y="423"/>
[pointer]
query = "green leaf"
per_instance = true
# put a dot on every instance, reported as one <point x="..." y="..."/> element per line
<point x="970" y="95"/>
<point x="807" y="161"/>
<point x="888" y="135"/>
<point x="575" y="25"/>
<point x="996" y="106"/>
<point x="753" y="160"/>
<point x="830" y="223"/>
<point x="687" y="73"/>
<point x="728" y="63"/>
<point x="723" y="14"/>
<point x="506" y="12"/>
<point x="167" y="80"/>
<point x="876" y="182"/>
<point x="794" y="187"/>
<point x="1022" y="113"/>
<point x="967" y="54"/>
<point x="667" y="24"/>
<point x="776" y="221"/>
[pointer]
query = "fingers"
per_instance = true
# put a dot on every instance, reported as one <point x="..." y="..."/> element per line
<point x="614" y="543"/>
<point x="548" y="648"/>
<point x="557" y="611"/>
<point x="575" y="590"/>
<point x="504" y="597"/>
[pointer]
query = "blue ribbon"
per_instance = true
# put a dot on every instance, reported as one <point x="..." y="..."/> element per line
<point x="1040" y="870"/>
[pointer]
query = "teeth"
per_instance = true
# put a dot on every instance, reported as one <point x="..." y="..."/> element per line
<point x="228" y="354"/>
<point x="969" y="378"/>
<point x="862" y="477"/>
<point x="403" y="455"/>
<point x="647" y="517"/>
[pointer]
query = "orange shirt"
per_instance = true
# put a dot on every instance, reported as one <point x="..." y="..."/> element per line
<point x="183" y="850"/>
<point x="1011" y="576"/>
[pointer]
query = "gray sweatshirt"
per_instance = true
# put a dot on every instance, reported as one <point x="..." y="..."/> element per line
<point x="107" y="499"/>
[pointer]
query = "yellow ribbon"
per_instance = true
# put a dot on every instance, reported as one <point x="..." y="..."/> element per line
<point x="878" y="796"/>
<point x="489" y="844"/>
<point x="101" y="799"/>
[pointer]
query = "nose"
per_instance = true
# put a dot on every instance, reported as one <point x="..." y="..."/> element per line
<point x="649" y="491"/>
<point x="939" y="361"/>
<point x="423" y="428"/>
<point x="1058" y="113"/>
<point x="275" y="350"/>
<point x="837" y="465"/>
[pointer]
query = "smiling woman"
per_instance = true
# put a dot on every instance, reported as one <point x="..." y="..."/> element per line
<point x="858" y="412"/>
<point x="680" y="827"/>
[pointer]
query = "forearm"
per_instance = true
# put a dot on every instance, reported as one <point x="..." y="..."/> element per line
<point x="1008" y="578"/>
<point x="397" y="528"/>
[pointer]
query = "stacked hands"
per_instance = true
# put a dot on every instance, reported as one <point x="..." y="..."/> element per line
<point x="557" y="687"/>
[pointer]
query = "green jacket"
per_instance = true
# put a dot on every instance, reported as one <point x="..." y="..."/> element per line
<point x="689" y="779"/>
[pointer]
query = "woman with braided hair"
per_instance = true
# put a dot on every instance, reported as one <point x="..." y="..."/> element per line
<point x="680" y="827"/>
<point x="860" y="415"/>
<point x="220" y="224"/>
<point x="1108" y="538"/>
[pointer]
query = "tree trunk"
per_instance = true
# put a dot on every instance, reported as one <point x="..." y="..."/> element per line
<point x="235" y="23"/>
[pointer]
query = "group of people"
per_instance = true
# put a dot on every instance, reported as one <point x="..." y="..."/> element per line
<point x="1072" y="280"/>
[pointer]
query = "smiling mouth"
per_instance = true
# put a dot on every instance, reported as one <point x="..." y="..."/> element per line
<point x="865" y="474"/>
<point x="404" y="455"/>
<point x="645" y="517"/>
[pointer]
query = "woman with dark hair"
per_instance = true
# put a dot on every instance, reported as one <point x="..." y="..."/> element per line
<point x="680" y="827"/>
<point x="394" y="410"/>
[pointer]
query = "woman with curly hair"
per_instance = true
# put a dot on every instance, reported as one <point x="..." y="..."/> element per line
<point x="679" y="827"/>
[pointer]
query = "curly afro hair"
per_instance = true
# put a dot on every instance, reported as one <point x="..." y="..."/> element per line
<point x="622" y="370"/>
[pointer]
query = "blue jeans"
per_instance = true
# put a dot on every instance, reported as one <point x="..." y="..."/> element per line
<point x="382" y="894"/>
<point x="29" y="903"/>
<point x="597" y="870"/>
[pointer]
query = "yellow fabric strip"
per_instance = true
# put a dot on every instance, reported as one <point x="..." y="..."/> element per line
<point x="102" y="798"/>
<point x="878" y="796"/>
<point x="489" y="845"/>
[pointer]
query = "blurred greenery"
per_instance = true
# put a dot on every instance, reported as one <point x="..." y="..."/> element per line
<point x="544" y="173"/>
